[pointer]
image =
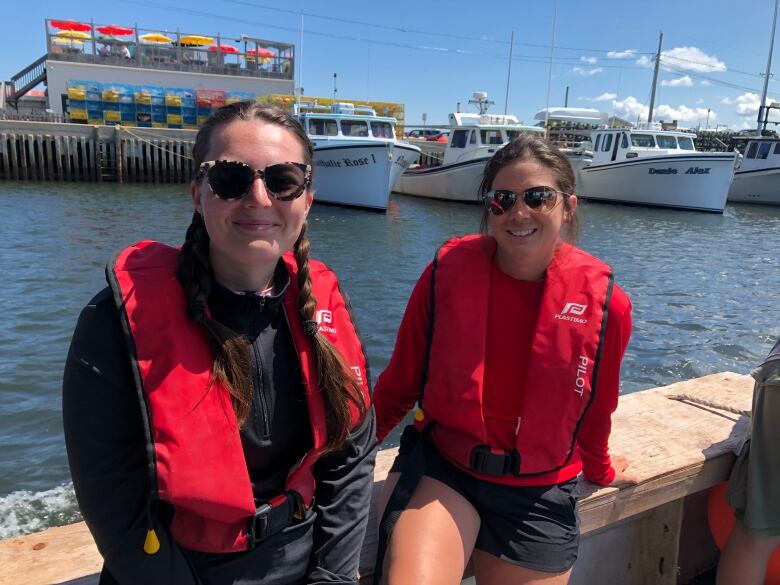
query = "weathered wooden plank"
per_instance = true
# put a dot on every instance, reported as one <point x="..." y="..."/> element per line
<point x="12" y="151"/>
<point x="23" y="156"/>
<point x="66" y="142"/>
<point x="48" y="153"/>
<point x="6" y="172"/>
<point x="119" y="154"/>
<point x="147" y="148"/>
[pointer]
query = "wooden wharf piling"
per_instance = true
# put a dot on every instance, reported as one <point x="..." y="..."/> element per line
<point x="46" y="151"/>
<point x="680" y="440"/>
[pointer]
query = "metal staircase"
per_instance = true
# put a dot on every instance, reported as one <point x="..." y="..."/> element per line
<point x="25" y="80"/>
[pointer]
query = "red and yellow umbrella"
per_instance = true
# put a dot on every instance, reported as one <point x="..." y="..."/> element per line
<point x="115" y="30"/>
<point x="70" y="25"/>
<point x="261" y="53"/>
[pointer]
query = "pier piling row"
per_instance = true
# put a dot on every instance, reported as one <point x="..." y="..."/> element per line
<point x="45" y="151"/>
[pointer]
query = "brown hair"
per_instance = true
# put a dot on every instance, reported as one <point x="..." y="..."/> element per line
<point x="231" y="351"/>
<point x="533" y="149"/>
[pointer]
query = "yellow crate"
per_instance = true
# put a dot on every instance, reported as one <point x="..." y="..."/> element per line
<point x="143" y="98"/>
<point x="110" y="116"/>
<point x="77" y="114"/>
<point x="173" y="101"/>
<point x="159" y="125"/>
<point x="174" y="118"/>
<point x="111" y="95"/>
<point x="77" y="93"/>
<point x="202" y="120"/>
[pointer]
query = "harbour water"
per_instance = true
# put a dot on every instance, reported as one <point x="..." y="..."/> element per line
<point x="704" y="291"/>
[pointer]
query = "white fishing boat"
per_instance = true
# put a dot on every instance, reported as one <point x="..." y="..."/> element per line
<point x="357" y="158"/>
<point x="655" y="167"/>
<point x="472" y="141"/>
<point x="757" y="178"/>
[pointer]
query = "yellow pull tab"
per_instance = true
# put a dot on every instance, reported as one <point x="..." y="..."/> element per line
<point x="152" y="543"/>
<point x="419" y="415"/>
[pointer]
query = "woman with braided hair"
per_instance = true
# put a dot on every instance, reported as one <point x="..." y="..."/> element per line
<point x="216" y="397"/>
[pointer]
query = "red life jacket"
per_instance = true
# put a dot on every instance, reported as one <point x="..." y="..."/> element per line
<point x="560" y="383"/>
<point x="197" y="461"/>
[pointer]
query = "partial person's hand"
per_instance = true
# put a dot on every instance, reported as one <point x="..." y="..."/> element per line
<point x="619" y="464"/>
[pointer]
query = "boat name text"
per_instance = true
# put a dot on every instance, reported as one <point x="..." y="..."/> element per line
<point x="346" y="162"/>
<point x="671" y="171"/>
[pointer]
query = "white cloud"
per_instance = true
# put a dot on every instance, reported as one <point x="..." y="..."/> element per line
<point x="631" y="109"/>
<point x="587" y="72"/>
<point x="727" y="101"/>
<point x="627" y="54"/>
<point x="685" y="59"/>
<point x="684" y="81"/>
<point x="604" y="97"/>
<point x="747" y="103"/>
<point x="683" y="114"/>
<point x="705" y="82"/>
<point x="700" y="101"/>
<point x="589" y="60"/>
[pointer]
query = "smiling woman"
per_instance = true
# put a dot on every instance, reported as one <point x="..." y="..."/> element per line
<point x="241" y="404"/>
<point x="554" y="319"/>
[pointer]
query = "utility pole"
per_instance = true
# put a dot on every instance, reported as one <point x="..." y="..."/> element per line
<point x="334" y="88"/>
<point x="566" y="98"/>
<point x="655" y="79"/>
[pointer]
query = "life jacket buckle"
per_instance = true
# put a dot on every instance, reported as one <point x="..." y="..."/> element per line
<point x="496" y="462"/>
<point x="271" y="517"/>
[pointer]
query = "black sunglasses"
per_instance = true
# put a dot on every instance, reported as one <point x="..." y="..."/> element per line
<point x="231" y="179"/>
<point x="541" y="199"/>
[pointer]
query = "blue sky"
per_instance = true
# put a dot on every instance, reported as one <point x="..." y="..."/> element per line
<point x="430" y="55"/>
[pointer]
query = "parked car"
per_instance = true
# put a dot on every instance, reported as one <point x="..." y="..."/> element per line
<point x="422" y="133"/>
<point x="439" y="137"/>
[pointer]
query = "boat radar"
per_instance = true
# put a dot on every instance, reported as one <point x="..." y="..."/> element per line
<point x="480" y="100"/>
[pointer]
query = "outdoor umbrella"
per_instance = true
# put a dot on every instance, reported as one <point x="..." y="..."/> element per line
<point x="73" y="35"/>
<point x="195" y="40"/>
<point x="261" y="53"/>
<point x="70" y="25"/>
<point x="224" y="49"/>
<point x="156" y="38"/>
<point x="116" y="30"/>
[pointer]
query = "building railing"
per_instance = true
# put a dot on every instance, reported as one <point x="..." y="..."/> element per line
<point x="245" y="56"/>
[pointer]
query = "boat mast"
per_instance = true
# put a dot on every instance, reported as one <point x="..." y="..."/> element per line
<point x="655" y="79"/>
<point x="509" y="72"/>
<point x="299" y="90"/>
<point x="549" y="74"/>
<point x="768" y="69"/>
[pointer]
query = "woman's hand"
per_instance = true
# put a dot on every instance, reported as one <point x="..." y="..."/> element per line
<point x="619" y="464"/>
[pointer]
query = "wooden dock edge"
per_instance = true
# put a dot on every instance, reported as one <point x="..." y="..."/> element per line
<point x="678" y="447"/>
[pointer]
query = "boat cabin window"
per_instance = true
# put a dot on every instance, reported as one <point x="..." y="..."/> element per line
<point x="642" y="140"/>
<point x="685" y="142"/>
<point x="354" y="128"/>
<point x="751" y="152"/>
<point x="458" y="139"/>
<point x="777" y="148"/>
<point x="491" y="137"/>
<point x="381" y="129"/>
<point x="666" y="141"/>
<point x="512" y="134"/>
<point x="607" y="143"/>
<point x="323" y="127"/>
<point x="623" y="140"/>
<point x="763" y="150"/>
<point x="473" y="137"/>
<point x="598" y="140"/>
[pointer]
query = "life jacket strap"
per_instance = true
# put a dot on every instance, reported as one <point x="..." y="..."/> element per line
<point x="489" y="461"/>
<point x="271" y="517"/>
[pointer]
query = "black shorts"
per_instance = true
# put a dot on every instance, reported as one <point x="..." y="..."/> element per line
<point x="537" y="527"/>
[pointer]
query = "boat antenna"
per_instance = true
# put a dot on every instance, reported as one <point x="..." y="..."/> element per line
<point x="549" y="75"/>
<point x="299" y="91"/>
<point x="768" y="69"/>
<point x="655" y="79"/>
<point x="509" y="71"/>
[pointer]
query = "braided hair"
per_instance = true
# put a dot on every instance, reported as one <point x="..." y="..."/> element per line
<point x="232" y="364"/>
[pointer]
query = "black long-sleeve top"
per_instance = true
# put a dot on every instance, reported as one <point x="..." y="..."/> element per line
<point x="106" y="449"/>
